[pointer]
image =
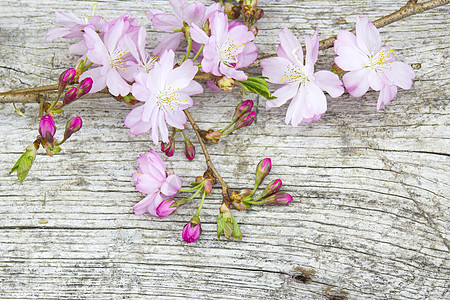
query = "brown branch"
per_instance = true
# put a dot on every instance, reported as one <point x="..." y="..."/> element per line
<point x="411" y="8"/>
<point x="206" y="154"/>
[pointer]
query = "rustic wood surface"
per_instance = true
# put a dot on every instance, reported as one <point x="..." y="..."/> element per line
<point x="371" y="189"/>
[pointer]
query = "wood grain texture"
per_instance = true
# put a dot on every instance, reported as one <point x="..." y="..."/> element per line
<point x="371" y="189"/>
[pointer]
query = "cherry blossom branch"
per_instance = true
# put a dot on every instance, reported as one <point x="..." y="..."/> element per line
<point x="206" y="154"/>
<point x="410" y="8"/>
<point x="29" y="95"/>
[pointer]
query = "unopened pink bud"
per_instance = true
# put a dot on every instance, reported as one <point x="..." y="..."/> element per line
<point x="242" y="108"/>
<point x="245" y="120"/>
<point x="279" y="198"/>
<point x="208" y="187"/>
<point x="259" y="14"/>
<point x="165" y="208"/>
<point x="65" y="78"/>
<point x="84" y="87"/>
<point x="72" y="126"/>
<point x="47" y="129"/>
<point x="70" y="96"/>
<point x="169" y="147"/>
<point x="189" y="149"/>
<point x="271" y="188"/>
<point x="192" y="230"/>
<point x="262" y="170"/>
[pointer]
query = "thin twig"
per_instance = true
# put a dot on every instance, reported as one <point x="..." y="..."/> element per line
<point x="411" y="8"/>
<point x="206" y="154"/>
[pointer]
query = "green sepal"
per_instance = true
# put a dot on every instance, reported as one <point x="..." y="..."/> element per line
<point x="23" y="164"/>
<point x="219" y="226"/>
<point x="237" y="231"/>
<point x="56" y="149"/>
<point x="257" y="85"/>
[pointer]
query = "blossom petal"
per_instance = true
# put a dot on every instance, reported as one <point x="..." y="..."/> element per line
<point x="401" y="74"/>
<point x="376" y="81"/>
<point x="198" y="34"/>
<point x="345" y="38"/>
<point x="194" y="88"/>
<point x="177" y="119"/>
<point x="134" y="121"/>
<point x="182" y="76"/>
<point x="116" y="84"/>
<point x="312" y="50"/>
<point x="356" y="82"/>
<point x="367" y="36"/>
<point x="141" y="207"/>
<point x="98" y="78"/>
<point x="171" y="185"/>
<point x="274" y="68"/>
<point x="290" y="47"/>
<point x="350" y="59"/>
<point x="166" y="22"/>
<point x="168" y="41"/>
<point x="329" y="82"/>
<point x="283" y="94"/>
<point x="153" y="205"/>
<point x="314" y="101"/>
<point x="232" y="72"/>
<point x="294" y="110"/>
<point x="386" y="95"/>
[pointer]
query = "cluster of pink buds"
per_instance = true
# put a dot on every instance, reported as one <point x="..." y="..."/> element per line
<point x="74" y="93"/>
<point x="243" y="116"/>
<point x="243" y="199"/>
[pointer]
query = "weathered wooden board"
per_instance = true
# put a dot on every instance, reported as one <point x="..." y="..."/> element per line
<point x="371" y="209"/>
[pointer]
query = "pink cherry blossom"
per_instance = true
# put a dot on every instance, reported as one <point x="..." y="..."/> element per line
<point x="152" y="179"/>
<point x="144" y="62"/>
<point x="184" y="12"/>
<point x="108" y="55"/>
<point x="370" y="64"/>
<point x="166" y="92"/>
<point x="300" y="83"/>
<point x="227" y="49"/>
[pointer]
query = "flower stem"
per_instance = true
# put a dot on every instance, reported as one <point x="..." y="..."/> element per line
<point x="187" y="34"/>
<point x="198" y="53"/>
<point x="201" y="204"/>
<point x="209" y="163"/>
<point x="188" y="189"/>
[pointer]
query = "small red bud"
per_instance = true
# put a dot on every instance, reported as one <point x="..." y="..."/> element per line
<point x="47" y="129"/>
<point x="72" y="126"/>
<point x="65" y="78"/>
<point x="242" y="108"/>
<point x="245" y="120"/>
<point x="70" y="96"/>
<point x="189" y="149"/>
<point x="271" y="188"/>
<point x="84" y="87"/>
<point x="278" y="199"/>
<point x="262" y="170"/>
<point x="208" y="187"/>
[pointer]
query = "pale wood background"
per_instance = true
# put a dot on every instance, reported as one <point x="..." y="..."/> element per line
<point x="371" y="209"/>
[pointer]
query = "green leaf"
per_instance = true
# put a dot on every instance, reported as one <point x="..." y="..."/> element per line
<point x="219" y="226"/>
<point x="257" y="85"/>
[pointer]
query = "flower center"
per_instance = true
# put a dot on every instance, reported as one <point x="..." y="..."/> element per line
<point x="228" y="53"/>
<point x="169" y="100"/>
<point x="116" y="58"/>
<point x="85" y="18"/>
<point x="382" y="60"/>
<point x="294" y="74"/>
<point x="148" y="63"/>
